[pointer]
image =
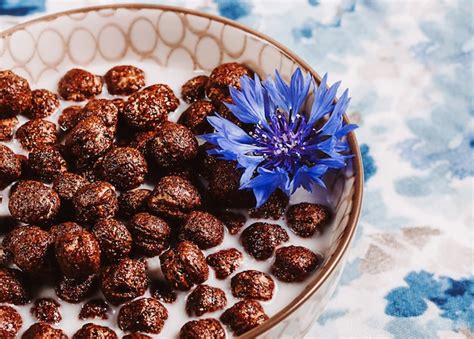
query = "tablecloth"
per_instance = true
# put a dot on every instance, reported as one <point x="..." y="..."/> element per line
<point x="409" y="68"/>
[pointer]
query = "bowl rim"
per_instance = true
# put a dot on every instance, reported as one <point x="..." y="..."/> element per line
<point x="328" y="268"/>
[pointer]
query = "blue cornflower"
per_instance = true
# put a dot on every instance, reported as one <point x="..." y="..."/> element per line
<point x="286" y="147"/>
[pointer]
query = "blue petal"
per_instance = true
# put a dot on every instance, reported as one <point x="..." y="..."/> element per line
<point x="305" y="175"/>
<point x="289" y="98"/>
<point x="335" y="119"/>
<point x="345" y="130"/>
<point x="299" y="89"/>
<point x="278" y="92"/>
<point x="250" y="164"/>
<point x="223" y="154"/>
<point x="323" y="100"/>
<point x="249" y="102"/>
<point x="266" y="182"/>
<point x="333" y="163"/>
<point x="233" y="131"/>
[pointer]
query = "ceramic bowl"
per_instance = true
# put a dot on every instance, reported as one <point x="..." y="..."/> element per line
<point x="181" y="38"/>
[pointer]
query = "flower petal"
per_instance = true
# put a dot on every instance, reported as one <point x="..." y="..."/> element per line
<point x="305" y="175"/>
<point x="248" y="104"/>
<point x="266" y="182"/>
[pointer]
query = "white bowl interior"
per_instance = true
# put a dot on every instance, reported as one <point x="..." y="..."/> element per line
<point x="170" y="46"/>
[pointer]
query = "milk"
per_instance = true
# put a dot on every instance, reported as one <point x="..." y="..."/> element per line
<point x="284" y="292"/>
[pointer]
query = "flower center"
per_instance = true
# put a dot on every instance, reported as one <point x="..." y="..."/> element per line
<point x="282" y="141"/>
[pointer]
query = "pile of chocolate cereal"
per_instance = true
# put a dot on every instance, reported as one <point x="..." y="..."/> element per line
<point x="80" y="220"/>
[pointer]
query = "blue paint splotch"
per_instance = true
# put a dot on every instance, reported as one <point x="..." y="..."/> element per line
<point x="444" y="140"/>
<point x="353" y="24"/>
<point x="368" y="161"/>
<point x="331" y="315"/>
<point x="351" y="272"/>
<point x="454" y="298"/>
<point x="404" y="302"/>
<point x="403" y="328"/>
<point x="21" y="7"/>
<point x="233" y="9"/>
<point x="378" y="214"/>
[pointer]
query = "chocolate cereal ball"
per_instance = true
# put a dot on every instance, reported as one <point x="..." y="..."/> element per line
<point x="10" y="322"/>
<point x="224" y="184"/>
<point x="30" y="247"/>
<point x="173" y="145"/>
<point x="202" y="228"/>
<point x="15" y="94"/>
<point x="24" y="163"/>
<point x="195" y="117"/>
<point x="141" y="141"/>
<point x="105" y="109"/>
<point x="32" y="202"/>
<point x="149" y="108"/>
<point x="184" y="266"/>
<point x="307" y="219"/>
<point x="194" y="89"/>
<point x="69" y="118"/>
<point x="204" y="299"/>
<point x="133" y="202"/>
<point x="114" y="239"/>
<point x="274" y="208"/>
<point x="226" y="113"/>
<point x="174" y="197"/>
<point x="43" y="104"/>
<point x="260" y="239"/>
<point x="94" y="309"/>
<point x="59" y="230"/>
<point x="232" y="220"/>
<point x="46" y="310"/>
<point x="124" y="80"/>
<point x="295" y="263"/>
<point x="89" y="331"/>
<point x="13" y="287"/>
<point x="43" y="331"/>
<point x="79" y="85"/>
<point x="36" y="133"/>
<point x="78" y="254"/>
<point x="89" y="172"/>
<point x="136" y="336"/>
<point x="162" y="291"/>
<point x="202" y="329"/>
<point x="252" y="284"/>
<point x="205" y="162"/>
<point x="165" y="96"/>
<point x="76" y="290"/>
<point x="95" y="201"/>
<point x="5" y="257"/>
<point x="88" y="140"/>
<point x="46" y="163"/>
<point x="123" y="167"/>
<point x="10" y="166"/>
<point x="67" y="184"/>
<point x="119" y="103"/>
<point x="244" y="316"/>
<point x="7" y="128"/>
<point x="151" y="235"/>
<point x="142" y="315"/>
<point x="183" y="172"/>
<point x="225" y="262"/>
<point x="222" y="77"/>
<point x="124" y="281"/>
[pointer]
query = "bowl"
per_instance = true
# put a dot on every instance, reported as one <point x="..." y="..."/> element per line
<point x="179" y="38"/>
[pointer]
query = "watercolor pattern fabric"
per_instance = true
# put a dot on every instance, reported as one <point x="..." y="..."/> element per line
<point x="409" y="68"/>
